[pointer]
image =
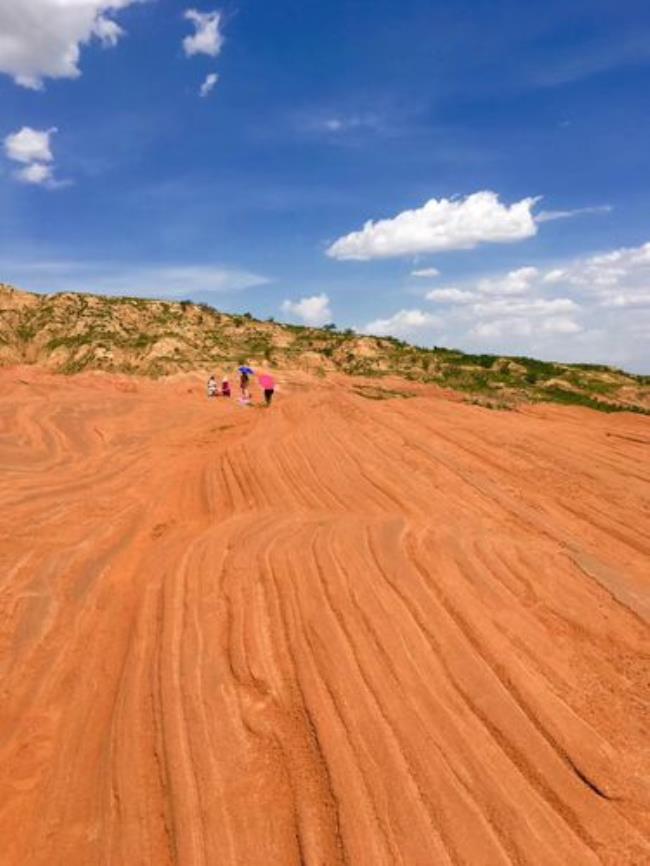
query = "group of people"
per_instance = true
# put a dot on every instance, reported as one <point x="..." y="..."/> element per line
<point x="216" y="390"/>
<point x="266" y="381"/>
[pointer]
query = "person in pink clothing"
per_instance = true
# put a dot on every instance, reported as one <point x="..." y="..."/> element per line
<point x="267" y="382"/>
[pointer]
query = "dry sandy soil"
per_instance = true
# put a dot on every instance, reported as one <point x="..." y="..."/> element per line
<point x="341" y="631"/>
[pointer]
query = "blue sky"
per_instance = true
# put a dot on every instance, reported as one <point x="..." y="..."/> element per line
<point x="439" y="122"/>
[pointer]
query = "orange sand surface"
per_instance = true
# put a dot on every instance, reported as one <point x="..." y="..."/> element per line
<point x="340" y="631"/>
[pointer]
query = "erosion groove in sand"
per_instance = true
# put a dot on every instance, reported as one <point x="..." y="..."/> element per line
<point x="342" y="631"/>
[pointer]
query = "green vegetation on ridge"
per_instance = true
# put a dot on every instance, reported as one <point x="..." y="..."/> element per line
<point x="75" y="332"/>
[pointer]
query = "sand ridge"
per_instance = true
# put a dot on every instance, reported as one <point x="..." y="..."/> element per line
<point x="341" y="631"/>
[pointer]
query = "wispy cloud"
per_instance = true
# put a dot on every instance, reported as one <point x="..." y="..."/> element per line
<point x="425" y="273"/>
<point x="208" y="84"/>
<point x="337" y="126"/>
<point x="546" y="216"/>
<point x="593" y="57"/>
<point x="135" y="279"/>
<point x="340" y="123"/>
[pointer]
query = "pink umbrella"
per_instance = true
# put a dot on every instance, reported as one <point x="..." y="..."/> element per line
<point x="266" y="381"/>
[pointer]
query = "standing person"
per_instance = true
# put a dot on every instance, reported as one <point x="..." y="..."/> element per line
<point x="225" y="388"/>
<point x="267" y="382"/>
<point x="213" y="388"/>
<point x="243" y="384"/>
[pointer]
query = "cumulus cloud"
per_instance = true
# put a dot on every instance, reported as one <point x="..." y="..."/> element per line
<point x="560" y="325"/>
<point x="451" y="295"/>
<point x="592" y="308"/>
<point x="31" y="148"/>
<point x="440" y="224"/>
<point x="527" y="307"/>
<point x="208" y="84"/>
<point x="553" y="276"/>
<point x="620" y="278"/>
<point x="29" y="145"/>
<point x="207" y="37"/>
<point x="314" y="310"/>
<point x="518" y="326"/>
<point x="602" y="301"/>
<point x="513" y="283"/>
<point x="426" y="272"/>
<point x="404" y="323"/>
<point x="513" y="304"/>
<point x="36" y="173"/>
<point x="42" y="38"/>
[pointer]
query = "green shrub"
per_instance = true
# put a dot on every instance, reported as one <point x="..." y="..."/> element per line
<point x="575" y="398"/>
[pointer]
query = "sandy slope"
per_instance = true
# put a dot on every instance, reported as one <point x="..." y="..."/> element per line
<point x="339" y="632"/>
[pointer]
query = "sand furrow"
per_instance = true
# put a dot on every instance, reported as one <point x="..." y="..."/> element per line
<point x="341" y="631"/>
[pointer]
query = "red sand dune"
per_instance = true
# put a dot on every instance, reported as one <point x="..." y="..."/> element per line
<point x="341" y="631"/>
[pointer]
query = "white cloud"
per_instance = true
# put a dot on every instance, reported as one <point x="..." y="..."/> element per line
<point x="528" y="316"/>
<point x="513" y="283"/>
<point x="451" y="296"/>
<point x="594" y="308"/>
<point x="43" y="38"/>
<point x="347" y="123"/>
<point x="403" y="323"/>
<point x="336" y="124"/>
<point x="36" y="173"/>
<point x="426" y="272"/>
<point x="601" y="302"/>
<point x="526" y="307"/>
<point x="516" y="326"/>
<point x="546" y="216"/>
<point x="511" y="327"/>
<point x="207" y="38"/>
<point x="31" y="148"/>
<point x="554" y="276"/>
<point x="107" y="31"/>
<point x="620" y="278"/>
<point x="208" y="84"/>
<point x="560" y="325"/>
<point x="314" y="310"/>
<point x="29" y="145"/>
<point x="509" y="306"/>
<point x="440" y="224"/>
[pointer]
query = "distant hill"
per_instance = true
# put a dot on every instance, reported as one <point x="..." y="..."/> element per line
<point x="70" y="332"/>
